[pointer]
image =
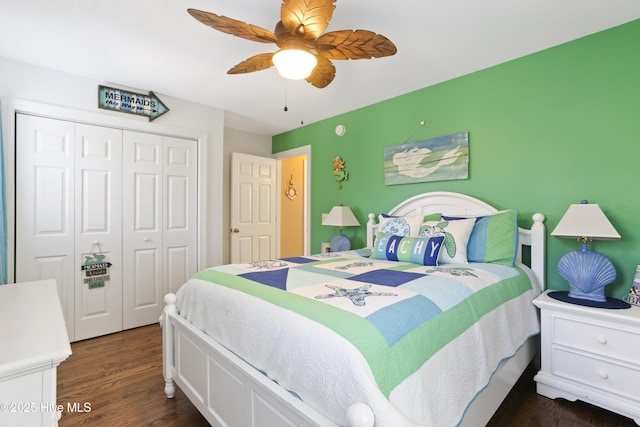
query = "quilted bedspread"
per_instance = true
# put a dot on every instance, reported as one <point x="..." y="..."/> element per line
<point x="416" y="343"/>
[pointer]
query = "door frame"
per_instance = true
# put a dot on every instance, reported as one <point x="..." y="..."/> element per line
<point x="11" y="106"/>
<point x="295" y="152"/>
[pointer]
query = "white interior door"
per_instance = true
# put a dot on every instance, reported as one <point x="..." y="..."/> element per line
<point x="45" y="177"/>
<point x="98" y="228"/>
<point x="180" y="237"/>
<point x="142" y="224"/>
<point x="160" y="222"/>
<point x="253" y="208"/>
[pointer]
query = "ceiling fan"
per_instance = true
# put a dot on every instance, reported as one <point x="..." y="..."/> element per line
<point x="299" y="32"/>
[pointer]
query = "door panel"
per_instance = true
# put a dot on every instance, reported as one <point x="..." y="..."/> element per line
<point x="44" y="206"/>
<point x="146" y="263"/>
<point x="142" y="232"/>
<point x="178" y="266"/>
<point x="253" y="214"/>
<point x="98" y="205"/>
<point x="160" y="220"/>
<point x="181" y="208"/>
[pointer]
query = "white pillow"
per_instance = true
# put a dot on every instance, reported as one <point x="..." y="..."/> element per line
<point x="456" y="232"/>
<point x="400" y="225"/>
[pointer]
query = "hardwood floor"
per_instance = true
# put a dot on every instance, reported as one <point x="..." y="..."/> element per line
<point x="120" y="377"/>
<point x="524" y="406"/>
<point x="116" y="380"/>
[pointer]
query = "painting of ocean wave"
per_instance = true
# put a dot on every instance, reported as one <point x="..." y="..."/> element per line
<point x="439" y="159"/>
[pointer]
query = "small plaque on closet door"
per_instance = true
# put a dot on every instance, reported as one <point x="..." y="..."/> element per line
<point x="96" y="268"/>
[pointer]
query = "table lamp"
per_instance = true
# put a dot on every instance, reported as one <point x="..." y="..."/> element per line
<point x="588" y="272"/>
<point x="340" y="216"/>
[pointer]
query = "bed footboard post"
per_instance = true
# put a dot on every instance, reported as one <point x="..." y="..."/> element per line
<point x="168" y="344"/>
<point x="360" y="415"/>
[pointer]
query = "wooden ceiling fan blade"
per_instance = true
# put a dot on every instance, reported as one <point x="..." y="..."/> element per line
<point x="306" y="18"/>
<point x="357" y="44"/>
<point x="323" y="74"/>
<point x="255" y="63"/>
<point x="233" y="26"/>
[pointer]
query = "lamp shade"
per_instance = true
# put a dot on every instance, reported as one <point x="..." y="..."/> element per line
<point x="585" y="220"/>
<point x="294" y="64"/>
<point x="340" y="216"/>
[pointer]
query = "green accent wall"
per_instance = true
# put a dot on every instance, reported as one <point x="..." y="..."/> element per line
<point x="545" y="130"/>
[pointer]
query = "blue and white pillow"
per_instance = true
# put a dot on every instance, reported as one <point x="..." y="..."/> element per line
<point x="416" y="250"/>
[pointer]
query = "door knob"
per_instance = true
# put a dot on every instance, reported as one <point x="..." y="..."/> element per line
<point x="235" y="230"/>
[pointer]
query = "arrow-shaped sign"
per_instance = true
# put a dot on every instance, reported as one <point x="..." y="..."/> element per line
<point x="130" y="102"/>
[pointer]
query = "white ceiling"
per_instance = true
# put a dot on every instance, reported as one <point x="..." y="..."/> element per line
<point x="156" y="45"/>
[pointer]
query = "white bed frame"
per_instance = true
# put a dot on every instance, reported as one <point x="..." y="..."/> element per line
<point x="230" y="392"/>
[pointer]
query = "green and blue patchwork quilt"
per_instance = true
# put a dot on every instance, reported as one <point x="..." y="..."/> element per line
<point x="417" y="343"/>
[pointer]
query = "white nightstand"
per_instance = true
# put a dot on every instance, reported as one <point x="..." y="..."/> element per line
<point x="590" y="354"/>
<point x="34" y="342"/>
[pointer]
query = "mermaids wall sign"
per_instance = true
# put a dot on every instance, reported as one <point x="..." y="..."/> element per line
<point x="439" y="159"/>
<point x="125" y="101"/>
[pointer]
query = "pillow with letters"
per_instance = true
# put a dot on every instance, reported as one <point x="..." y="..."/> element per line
<point x="456" y="235"/>
<point x="416" y="250"/>
<point x="494" y="238"/>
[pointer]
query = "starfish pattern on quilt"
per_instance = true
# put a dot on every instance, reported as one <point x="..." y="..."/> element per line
<point x="356" y="295"/>
<point x="354" y="264"/>
<point x="268" y="264"/>
<point x="454" y="271"/>
<point x="328" y="255"/>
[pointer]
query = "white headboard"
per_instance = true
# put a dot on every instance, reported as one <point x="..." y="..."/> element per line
<point x="453" y="204"/>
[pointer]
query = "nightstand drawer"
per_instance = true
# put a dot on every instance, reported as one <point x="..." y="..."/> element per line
<point x="601" y="374"/>
<point x="596" y="338"/>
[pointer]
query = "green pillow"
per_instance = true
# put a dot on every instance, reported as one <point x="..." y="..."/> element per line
<point x="494" y="238"/>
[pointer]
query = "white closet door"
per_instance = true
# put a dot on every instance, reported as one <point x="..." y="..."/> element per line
<point x="180" y="213"/>
<point x="160" y="222"/>
<point x="142" y="229"/>
<point x="129" y="196"/>
<point x="98" y="228"/>
<point x="45" y="177"/>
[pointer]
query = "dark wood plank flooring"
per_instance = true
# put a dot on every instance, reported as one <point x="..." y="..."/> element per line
<point x="117" y="381"/>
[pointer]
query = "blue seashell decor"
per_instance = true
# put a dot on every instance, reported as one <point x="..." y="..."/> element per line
<point x="587" y="272"/>
<point x="340" y="243"/>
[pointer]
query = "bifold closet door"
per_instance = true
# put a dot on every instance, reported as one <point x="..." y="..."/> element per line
<point x="159" y="222"/>
<point x="45" y="176"/>
<point x="98" y="228"/>
<point x="68" y="204"/>
<point x="180" y="232"/>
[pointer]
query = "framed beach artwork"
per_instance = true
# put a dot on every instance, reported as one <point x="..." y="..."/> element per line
<point x="443" y="158"/>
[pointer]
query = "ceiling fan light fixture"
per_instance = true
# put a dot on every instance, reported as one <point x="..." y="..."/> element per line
<point x="294" y="64"/>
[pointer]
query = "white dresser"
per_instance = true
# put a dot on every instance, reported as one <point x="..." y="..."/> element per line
<point x="33" y="342"/>
<point x="590" y="354"/>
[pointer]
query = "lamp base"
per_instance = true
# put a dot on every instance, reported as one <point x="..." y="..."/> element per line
<point x="340" y="242"/>
<point x="587" y="272"/>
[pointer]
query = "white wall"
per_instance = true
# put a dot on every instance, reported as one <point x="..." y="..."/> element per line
<point x="28" y="88"/>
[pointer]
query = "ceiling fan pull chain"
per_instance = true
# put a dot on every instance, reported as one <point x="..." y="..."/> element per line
<point x="285" y="96"/>
<point x="301" y="91"/>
